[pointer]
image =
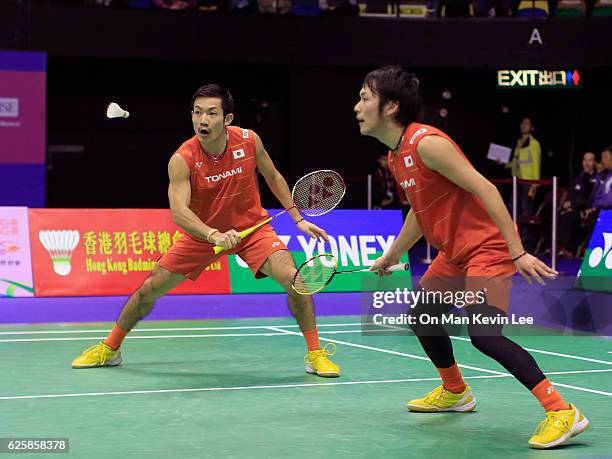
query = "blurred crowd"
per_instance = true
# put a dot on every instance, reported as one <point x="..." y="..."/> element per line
<point x="391" y="8"/>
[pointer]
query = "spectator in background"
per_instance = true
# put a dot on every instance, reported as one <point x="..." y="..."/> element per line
<point x="383" y="186"/>
<point x="602" y="193"/>
<point x="575" y="203"/>
<point x="175" y="4"/>
<point x="526" y="165"/>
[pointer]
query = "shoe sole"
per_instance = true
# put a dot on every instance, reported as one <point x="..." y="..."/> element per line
<point x="470" y="406"/>
<point x="111" y="363"/>
<point x="312" y="371"/>
<point x="576" y="430"/>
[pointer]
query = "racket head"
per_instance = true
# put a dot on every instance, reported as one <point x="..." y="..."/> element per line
<point x="314" y="274"/>
<point x="318" y="192"/>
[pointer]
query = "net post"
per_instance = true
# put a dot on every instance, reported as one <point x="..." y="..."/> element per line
<point x="427" y="260"/>
<point x="369" y="191"/>
<point x="514" y="196"/>
<point x="553" y="238"/>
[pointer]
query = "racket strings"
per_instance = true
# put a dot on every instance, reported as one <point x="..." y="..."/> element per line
<point x="314" y="275"/>
<point x="318" y="192"/>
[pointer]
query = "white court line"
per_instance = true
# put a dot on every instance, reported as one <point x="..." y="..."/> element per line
<point x="280" y="386"/>
<point x="98" y="338"/>
<point x="386" y="351"/>
<point x="425" y="358"/>
<point x="209" y="335"/>
<point x="607" y="370"/>
<point x="207" y="389"/>
<point x="584" y="389"/>
<point x="540" y="351"/>
<point x="147" y="330"/>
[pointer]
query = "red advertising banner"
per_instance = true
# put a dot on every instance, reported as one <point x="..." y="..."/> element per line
<point x="105" y="252"/>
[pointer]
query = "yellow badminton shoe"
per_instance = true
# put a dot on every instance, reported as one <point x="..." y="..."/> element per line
<point x="441" y="399"/>
<point x="318" y="363"/>
<point x="558" y="427"/>
<point x="100" y="355"/>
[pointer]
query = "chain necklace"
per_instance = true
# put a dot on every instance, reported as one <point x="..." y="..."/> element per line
<point x="399" y="142"/>
<point x="216" y="158"/>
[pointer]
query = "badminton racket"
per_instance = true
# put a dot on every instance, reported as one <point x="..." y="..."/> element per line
<point x="316" y="273"/>
<point x="313" y="195"/>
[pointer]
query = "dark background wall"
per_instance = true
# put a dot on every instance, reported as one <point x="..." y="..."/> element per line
<point x="295" y="81"/>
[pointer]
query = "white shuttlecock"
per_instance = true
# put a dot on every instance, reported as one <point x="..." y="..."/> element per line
<point x="115" y="111"/>
<point x="60" y="245"/>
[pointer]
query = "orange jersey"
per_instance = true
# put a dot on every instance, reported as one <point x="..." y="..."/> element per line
<point x="453" y="220"/>
<point x="225" y="194"/>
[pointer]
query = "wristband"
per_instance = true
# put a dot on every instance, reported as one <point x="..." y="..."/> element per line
<point x="300" y="220"/>
<point x="210" y="234"/>
<point x="521" y="255"/>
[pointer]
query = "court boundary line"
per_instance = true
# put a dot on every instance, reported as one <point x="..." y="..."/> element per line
<point x="146" y="330"/>
<point x="584" y="389"/>
<point x="280" y="386"/>
<point x="557" y="354"/>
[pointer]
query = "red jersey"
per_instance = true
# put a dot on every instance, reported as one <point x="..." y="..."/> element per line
<point x="225" y="193"/>
<point x="453" y="220"/>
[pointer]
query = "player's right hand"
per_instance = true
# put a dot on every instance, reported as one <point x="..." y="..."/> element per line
<point x="530" y="267"/>
<point x="382" y="263"/>
<point x="227" y="240"/>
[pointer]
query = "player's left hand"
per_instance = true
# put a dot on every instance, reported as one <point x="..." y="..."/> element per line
<point x="530" y="267"/>
<point x="313" y="231"/>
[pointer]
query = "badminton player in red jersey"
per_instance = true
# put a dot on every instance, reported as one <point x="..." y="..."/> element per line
<point x="461" y="213"/>
<point x="213" y="195"/>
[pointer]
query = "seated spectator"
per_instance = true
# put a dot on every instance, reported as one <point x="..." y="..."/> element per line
<point x="532" y="9"/>
<point x="575" y="202"/>
<point x="602" y="8"/>
<point x="570" y="8"/>
<point x="175" y="4"/>
<point x="383" y="186"/>
<point x="601" y="195"/>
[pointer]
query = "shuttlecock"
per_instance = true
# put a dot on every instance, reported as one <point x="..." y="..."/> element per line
<point x="60" y="245"/>
<point x="115" y="111"/>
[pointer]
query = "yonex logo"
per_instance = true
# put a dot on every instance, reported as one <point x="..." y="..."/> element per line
<point x="275" y="244"/>
<point x="238" y="153"/>
<point x="408" y="162"/>
<point x="416" y="134"/>
<point x="550" y="390"/>
<point x="245" y="133"/>
<point x="198" y="164"/>
<point x="599" y="253"/>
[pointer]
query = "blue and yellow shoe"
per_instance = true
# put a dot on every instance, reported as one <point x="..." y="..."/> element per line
<point x="100" y="355"/>
<point x="440" y="399"/>
<point x="558" y="427"/>
<point x="318" y="363"/>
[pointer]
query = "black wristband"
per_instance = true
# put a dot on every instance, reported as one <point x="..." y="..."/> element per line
<point x="521" y="255"/>
<point x="300" y="220"/>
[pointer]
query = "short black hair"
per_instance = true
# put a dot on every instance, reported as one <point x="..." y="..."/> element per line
<point x="215" y="90"/>
<point x="397" y="83"/>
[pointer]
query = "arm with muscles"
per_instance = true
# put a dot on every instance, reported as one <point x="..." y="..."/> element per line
<point x="179" y="194"/>
<point x="441" y="156"/>
<point x="278" y="185"/>
<point x="408" y="236"/>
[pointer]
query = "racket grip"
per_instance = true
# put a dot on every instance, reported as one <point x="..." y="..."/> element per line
<point x="219" y="248"/>
<point x="399" y="267"/>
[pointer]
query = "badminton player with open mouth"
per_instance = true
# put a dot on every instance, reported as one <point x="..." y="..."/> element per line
<point x="461" y="213"/>
<point x="213" y="192"/>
